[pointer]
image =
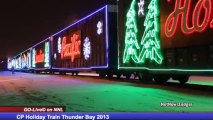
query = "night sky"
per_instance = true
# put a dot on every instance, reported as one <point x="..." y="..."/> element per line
<point x="24" y="23"/>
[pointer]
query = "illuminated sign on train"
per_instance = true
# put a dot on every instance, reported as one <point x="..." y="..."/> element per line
<point x="202" y="17"/>
<point x="72" y="49"/>
<point x="39" y="56"/>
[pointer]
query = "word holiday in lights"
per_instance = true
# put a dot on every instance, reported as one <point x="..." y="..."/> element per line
<point x="71" y="50"/>
<point x="182" y="11"/>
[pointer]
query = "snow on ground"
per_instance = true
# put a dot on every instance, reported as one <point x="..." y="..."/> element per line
<point x="92" y="94"/>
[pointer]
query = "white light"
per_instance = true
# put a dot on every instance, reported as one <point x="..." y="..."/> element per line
<point x="87" y="48"/>
<point x="29" y="59"/>
<point x="33" y="57"/>
<point x="99" y="28"/>
<point x="59" y="45"/>
<point x="55" y="56"/>
<point x="141" y="8"/>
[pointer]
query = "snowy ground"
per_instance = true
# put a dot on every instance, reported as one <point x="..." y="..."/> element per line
<point x="91" y="94"/>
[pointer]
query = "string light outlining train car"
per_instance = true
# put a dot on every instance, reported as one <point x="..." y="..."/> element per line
<point x="163" y="39"/>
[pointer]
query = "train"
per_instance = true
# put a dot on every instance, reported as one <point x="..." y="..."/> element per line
<point x="153" y="40"/>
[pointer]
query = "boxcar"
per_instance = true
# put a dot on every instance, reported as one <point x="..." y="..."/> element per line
<point x="161" y="39"/>
<point x="26" y="60"/>
<point x="88" y="44"/>
<point x="40" y="56"/>
<point x="17" y="63"/>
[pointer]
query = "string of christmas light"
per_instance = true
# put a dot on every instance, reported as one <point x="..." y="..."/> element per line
<point x="99" y="28"/>
<point x="87" y="48"/>
<point x="150" y="42"/>
<point x="141" y="8"/>
<point x="131" y="42"/>
<point x="47" y="51"/>
<point x="33" y="57"/>
<point x="59" y="45"/>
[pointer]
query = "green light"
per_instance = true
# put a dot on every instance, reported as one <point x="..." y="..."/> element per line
<point x="131" y="42"/>
<point x="150" y="41"/>
<point x="47" y="51"/>
<point x="179" y="70"/>
<point x="33" y="57"/>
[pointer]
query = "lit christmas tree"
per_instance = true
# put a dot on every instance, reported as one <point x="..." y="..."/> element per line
<point x="131" y="42"/>
<point x="150" y="41"/>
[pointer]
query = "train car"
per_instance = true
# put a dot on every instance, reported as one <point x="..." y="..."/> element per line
<point x="40" y="56"/>
<point x="26" y="60"/>
<point x="88" y="44"/>
<point x="21" y="62"/>
<point x="163" y="39"/>
<point x="9" y="64"/>
<point x="17" y="63"/>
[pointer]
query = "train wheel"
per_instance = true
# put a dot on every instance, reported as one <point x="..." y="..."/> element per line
<point x="145" y="78"/>
<point x="118" y="76"/>
<point x="161" y="79"/>
<point x="140" y="76"/>
<point x="128" y="75"/>
<point x="183" y="79"/>
<point x="109" y="75"/>
<point x="102" y="75"/>
<point x="61" y="73"/>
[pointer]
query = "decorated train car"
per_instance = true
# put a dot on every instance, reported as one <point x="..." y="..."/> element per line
<point x="40" y="56"/>
<point x="17" y="65"/>
<point x="26" y="60"/>
<point x="21" y="62"/>
<point x="88" y="44"/>
<point x="163" y="39"/>
<point x="9" y="64"/>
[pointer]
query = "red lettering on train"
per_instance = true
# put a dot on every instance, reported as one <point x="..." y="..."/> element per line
<point x="72" y="49"/>
<point x="182" y="11"/>
<point x="39" y="57"/>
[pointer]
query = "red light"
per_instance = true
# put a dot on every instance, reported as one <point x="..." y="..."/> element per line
<point x="182" y="10"/>
<point x="39" y="57"/>
<point x="207" y="6"/>
<point x="211" y="24"/>
<point x="71" y="50"/>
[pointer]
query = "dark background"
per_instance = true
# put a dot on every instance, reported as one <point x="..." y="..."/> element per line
<point x="24" y="23"/>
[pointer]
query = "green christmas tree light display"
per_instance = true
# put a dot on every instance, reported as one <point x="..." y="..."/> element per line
<point x="150" y="41"/>
<point x="131" y="42"/>
<point x="47" y="51"/>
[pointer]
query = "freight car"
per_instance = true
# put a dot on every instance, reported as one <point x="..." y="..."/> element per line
<point x="40" y="55"/>
<point x="21" y="62"/>
<point x="163" y="39"/>
<point x="88" y="44"/>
